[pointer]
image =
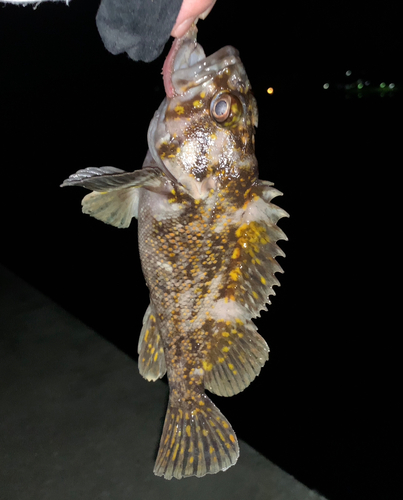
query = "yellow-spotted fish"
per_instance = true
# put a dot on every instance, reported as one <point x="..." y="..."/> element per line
<point x="207" y="237"/>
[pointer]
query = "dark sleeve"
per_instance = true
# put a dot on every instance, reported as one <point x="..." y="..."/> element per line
<point x="139" y="27"/>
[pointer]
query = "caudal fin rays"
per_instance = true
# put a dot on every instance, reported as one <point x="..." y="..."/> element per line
<point x="195" y="442"/>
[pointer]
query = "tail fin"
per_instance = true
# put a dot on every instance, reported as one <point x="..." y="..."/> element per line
<point x="195" y="443"/>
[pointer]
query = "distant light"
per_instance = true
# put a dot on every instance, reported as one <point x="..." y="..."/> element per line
<point x="391" y="85"/>
<point x="367" y="83"/>
<point x="348" y="72"/>
<point x="382" y="85"/>
<point x="360" y="86"/>
<point x="325" y="85"/>
<point x="270" y="90"/>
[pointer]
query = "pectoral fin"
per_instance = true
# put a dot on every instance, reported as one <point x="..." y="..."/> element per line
<point x="115" y="196"/>
<point x="116" y="208"/>
<point x="111" y="178"/>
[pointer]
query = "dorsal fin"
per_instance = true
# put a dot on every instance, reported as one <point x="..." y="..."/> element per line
<point x="237" y="351"/>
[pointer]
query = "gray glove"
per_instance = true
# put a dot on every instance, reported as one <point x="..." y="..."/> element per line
<point x="139" y="27"/>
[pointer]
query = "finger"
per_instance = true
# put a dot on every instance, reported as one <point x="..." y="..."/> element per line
<point x="189" y="12"/>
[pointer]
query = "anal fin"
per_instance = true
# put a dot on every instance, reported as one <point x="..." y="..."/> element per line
<point x="195" y="442"/>
<point x="151" y="352"/>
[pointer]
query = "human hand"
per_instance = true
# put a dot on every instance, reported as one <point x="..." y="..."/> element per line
<point x="189" y="12"/>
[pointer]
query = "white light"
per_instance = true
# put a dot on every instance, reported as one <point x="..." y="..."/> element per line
<point x="348" y="72"/>
<point x="391" y="85"/>
<point x="325" y="85"/>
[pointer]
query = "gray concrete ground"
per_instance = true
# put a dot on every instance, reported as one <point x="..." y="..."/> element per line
<point x="77" y="421"/>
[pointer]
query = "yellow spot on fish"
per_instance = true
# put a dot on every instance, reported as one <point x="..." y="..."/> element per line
<point x="205" y="432"/>
<point x="188" y="430"/>
<point x="197" y="104"/>
<point x="146" y="335"/>
<point x="191" y="460"/>
<point x="232" y="438"/>
<point x="225" y="334"/>
<point x="156" y="356"/>
<point x="230" y="366"/>
<point x="207" y="366"/>
<point x="180" y="109"/>
<point x="236" y="253"/>
<point x="240" y="322"/>
<point x="221" y="360"/>
<point x="235" y="274"/>
<point x="201" y="403"/>
<point x="203" y="94"/>
<point x="225" y="349"/>
<point x="256" y="296"/>
<point x="263" y="280"/>
<point x="175" y="452"/>
<point x="221" y="436"/>
<point x="211" y="449"/>
<point x="152" y="318"/>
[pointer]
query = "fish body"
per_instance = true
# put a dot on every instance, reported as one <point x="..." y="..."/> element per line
<point x="207" y="239"/>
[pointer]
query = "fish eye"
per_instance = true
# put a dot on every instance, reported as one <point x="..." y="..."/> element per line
<point x="221" y="108"/>
<point x="226" y="109"/>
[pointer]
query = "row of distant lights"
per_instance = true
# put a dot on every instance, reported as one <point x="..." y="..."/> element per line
<point x="360" y="84"/>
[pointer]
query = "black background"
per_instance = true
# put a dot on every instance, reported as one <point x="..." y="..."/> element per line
<point x="325" y="407"/>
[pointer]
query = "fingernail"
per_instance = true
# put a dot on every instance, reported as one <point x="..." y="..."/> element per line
<point x="182" y="28"/>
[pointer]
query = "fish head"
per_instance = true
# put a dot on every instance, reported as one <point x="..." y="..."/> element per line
<point x="202" y="135"/>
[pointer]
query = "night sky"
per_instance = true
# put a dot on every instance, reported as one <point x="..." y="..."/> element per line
<point x="325" y="405"/>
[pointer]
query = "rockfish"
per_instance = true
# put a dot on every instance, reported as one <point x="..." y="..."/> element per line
<point x="207" y="237"/>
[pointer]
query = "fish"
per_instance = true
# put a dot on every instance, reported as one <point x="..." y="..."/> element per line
<point x="208" y="233"/>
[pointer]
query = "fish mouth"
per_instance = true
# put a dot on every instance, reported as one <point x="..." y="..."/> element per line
<point x="186" y="65"/>
<point x="185" y="53"/>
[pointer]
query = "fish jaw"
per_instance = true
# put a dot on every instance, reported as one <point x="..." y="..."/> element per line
<point x="185" y="52"/>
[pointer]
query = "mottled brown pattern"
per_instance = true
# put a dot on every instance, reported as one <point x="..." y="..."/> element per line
<point x="207" y="238"/>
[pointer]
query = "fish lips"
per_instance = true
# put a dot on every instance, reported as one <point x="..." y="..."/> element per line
<point x="204" y="70"/>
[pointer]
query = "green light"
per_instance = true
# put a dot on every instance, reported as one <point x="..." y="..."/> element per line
<point x="360" y="86"/>
<point x="382" y="85"/>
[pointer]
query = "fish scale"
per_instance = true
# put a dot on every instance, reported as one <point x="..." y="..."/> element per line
<point x="207" y="239"/>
